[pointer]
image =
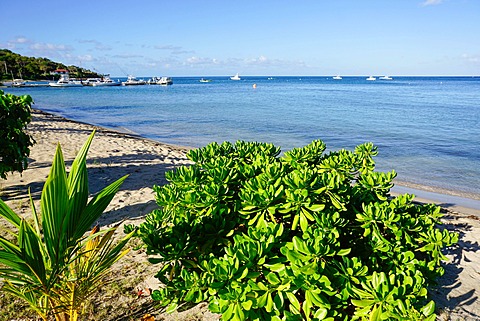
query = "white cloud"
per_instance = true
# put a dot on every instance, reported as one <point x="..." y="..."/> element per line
<point x="263" y="61"/>
<point x="49" y="47"/>
<point x="127" y="56"/>
<point x="176" y="50"/>
<point x="472" y="59"/>
<point x="431" y="2"/>
<point x="196" y="61"/>
<point x="87" y="58"/>
<point x="97" y="44"/>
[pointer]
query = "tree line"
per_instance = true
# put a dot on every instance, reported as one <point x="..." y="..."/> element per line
<point x="15" y="66"/>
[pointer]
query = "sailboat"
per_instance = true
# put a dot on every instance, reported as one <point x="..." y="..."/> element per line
<point x="236" y="77"/>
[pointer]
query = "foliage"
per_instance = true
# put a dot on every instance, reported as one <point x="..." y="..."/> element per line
<point x="50" y="263"/>
<point x="304" y="236"/>
<point x="15" y="143"/>
<point x="13" y="65"/>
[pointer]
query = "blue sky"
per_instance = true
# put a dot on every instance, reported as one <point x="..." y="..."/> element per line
<point x="210" y="37"/>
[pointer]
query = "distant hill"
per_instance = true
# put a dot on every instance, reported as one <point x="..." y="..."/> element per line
<point x="15" y="66"/>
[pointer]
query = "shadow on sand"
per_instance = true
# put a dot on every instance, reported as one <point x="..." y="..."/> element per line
<point x="442" y="293"/>
<point x="144" y="170"/>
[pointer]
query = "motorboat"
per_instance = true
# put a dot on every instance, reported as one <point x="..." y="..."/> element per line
<point x="66" y="81"/>
<point x="18" y="83"/>
<point x="153" y="81"/>
<point x="106" y="81"/>
<point x="133" y="81"/>
<point x="90" y="81"/>
<point x="236" y="77"/>
<point x="385" y="78"/>
<point x="371" y="78"/>
<point x="205" y="80"/>
<point x="337" y="77"/>
<point x="165" y="81"/>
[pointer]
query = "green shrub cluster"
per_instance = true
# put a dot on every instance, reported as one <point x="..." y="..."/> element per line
<point x="15" y="143"/>
<point x="307" y="235"/>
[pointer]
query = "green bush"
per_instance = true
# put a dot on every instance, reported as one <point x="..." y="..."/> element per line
<point x="15" y="114"/>
<point x="304" y="236"/>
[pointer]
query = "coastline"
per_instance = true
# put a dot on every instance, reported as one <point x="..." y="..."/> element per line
<point x="459" y="201"/>
<point x="115" y="153"/>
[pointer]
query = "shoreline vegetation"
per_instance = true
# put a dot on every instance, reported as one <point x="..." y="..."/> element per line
<point x="114" y="153"/>
<point x="15" y="66"/>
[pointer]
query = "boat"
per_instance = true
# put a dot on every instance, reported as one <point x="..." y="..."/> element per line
<point x="205" y="80"/>
<point x="18" y="83"/>
<point x="66" y="81"/>
<point x="371" y="78"/>
<point x="153" y="81"/>
<point x="385" y="78"/>
<point x="90" y="81"/>
<point x="133" y="81"/>
<point x="165" y="81"/>
<point x="337" y="77"/>
<point x="236" y="77"/>
<point x="105" y="81"/>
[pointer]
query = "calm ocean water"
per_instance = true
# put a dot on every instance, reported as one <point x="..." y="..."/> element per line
<point x="426" y="128"/>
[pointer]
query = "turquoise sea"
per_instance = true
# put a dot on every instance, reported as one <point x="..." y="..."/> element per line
<point x="426" y="128"/>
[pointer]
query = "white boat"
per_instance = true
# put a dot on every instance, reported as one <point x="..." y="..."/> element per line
<point x="165" y="81"/>
<point x="106" y="81"/>
<point x="205" y="80"/>
<point x="236" y="77"/>
<point x="18" y="83"/>
<point x="385" y="78"/>
<point x="66" y="81"/>
<point x="371" y="78"/>
<point x="153" y="81"/>
<point x="337" y="77"/>
<point x="133" y="81"/>
<point x="90" y="81"/>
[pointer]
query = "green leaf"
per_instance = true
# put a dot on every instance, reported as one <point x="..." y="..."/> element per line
<point x="344" y="252"/>
<point x="54" y="204"/>
<point x="272" y="278"/>
<point x="363" y="303"/>
<point x="172" y="307"/>
<point x="9" y="215"/>
<point x="269" y="305"/>
<point x="428" y="309"/>
<point x="293" y="300"/>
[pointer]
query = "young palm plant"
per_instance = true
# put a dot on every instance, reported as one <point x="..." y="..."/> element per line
<point x="52" y="263"/>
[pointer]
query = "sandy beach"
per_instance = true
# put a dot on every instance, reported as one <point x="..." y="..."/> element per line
<point x="114" y="154"/>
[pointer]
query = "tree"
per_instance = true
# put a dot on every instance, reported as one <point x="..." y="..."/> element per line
<point x="15" y="142"/>
<point x="51" y="263"/>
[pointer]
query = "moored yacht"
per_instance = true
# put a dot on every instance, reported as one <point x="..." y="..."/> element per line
<point x="133" y="81"/>
<point x="66" y="81"/>
<point x="236" y="77"/>
<point x="164" y="81"/>
<point x="18" y="83"/>
<point x="106" y="81"/>
<point x="371" y="78"/>
<point x="337" y="77"/>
